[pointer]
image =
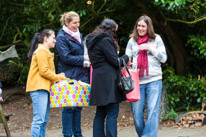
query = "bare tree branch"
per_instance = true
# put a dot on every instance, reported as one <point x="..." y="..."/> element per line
<point x="184" y="21"/>
<point x="15" y="4"/>
<point x="96" y="13"/>
<point x="4" y="28"/>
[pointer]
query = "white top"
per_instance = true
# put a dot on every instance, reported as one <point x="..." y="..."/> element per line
<point x="156" y="55"/>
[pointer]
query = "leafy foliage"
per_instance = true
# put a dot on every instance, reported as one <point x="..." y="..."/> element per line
<point x="194" y="7"/>
<point x="184" y="92"/>
<point x="185" y="10"/>
<point x="171" y="4"/>
<point x="171" y="115"/>
<point x="197" y="49"/>
<point x="198" y="44"/>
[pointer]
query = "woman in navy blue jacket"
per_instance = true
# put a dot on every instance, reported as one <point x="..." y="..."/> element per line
<point x="70" y="51"/>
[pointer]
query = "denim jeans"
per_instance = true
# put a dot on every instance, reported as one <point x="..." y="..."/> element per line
<point x="41" y="109"/>
<point x="71" y="121"/>
<point x="110" y="112"/>
<point x="151" y="91"/>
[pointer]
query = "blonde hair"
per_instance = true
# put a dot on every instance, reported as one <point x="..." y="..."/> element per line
<point x="68" y="16"/>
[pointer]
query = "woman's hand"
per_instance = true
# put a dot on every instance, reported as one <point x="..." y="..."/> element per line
<point x="129" y="63"/>
<point x="63" y="74"/>
<point x="144" y="47"/>
<point x="86" y="58"/>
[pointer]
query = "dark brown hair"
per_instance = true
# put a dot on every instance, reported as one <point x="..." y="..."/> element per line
<point x="38" y="38"/>
<point x="108" y="26"/>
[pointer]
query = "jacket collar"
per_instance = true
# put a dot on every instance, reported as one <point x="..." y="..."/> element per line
<point x="42" y="46"/>
<point x="72" y="39"/>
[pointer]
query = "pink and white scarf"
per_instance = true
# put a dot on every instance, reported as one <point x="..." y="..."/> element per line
<point x="75" y="35"/>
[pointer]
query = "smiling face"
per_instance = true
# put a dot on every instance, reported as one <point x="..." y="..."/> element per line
<point x="50" y="41"/>
<point x="142" y="28"/>
<point x="74" y="24"/>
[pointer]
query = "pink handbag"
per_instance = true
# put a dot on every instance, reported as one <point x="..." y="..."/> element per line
<point x="91" y="74"/>
<point x="134" y="95"/>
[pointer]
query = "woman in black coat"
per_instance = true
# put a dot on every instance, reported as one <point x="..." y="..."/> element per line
<point x="104" y="91"/>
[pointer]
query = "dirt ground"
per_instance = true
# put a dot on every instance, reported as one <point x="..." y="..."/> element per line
<point x="19" y="106"/>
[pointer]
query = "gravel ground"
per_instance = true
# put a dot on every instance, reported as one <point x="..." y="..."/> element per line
<point x="130" y="132"/>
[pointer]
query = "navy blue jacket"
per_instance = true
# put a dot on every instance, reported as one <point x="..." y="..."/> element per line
<point x="71" y="57"/>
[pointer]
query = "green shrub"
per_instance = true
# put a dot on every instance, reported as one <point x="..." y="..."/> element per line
<point x="171" y="115"/>
<point x="184" y="92"/>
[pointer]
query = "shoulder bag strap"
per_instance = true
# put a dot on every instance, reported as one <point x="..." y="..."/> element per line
<point x="125" y="66"/>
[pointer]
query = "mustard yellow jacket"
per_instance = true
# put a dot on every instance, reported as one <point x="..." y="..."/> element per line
<point x="42" y="73"/>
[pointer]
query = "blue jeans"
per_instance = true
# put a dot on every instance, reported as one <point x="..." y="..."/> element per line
<point x="71" y="121"/>
<point x="41" y="109"/>
<point x="151" y="91"/>
<point x="110" y="112"/>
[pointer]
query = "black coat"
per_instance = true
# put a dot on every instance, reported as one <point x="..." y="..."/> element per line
<point x="71" y="57"/>
<point x="104" y="60"/>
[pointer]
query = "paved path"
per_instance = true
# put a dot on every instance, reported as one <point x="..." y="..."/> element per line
<point x="130" y="132"/>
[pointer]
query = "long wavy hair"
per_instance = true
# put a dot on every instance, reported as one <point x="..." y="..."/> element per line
<point x="108" y="26"/>
<point x="150" y="29"/>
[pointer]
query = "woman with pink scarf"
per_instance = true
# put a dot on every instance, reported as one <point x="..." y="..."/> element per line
<point x="71" y="59"/>
<point x="148" y="52"/>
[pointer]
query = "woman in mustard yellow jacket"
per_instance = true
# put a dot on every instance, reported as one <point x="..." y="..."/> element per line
<point x="41" y="77"/>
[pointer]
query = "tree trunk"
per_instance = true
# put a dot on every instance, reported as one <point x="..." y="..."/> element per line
<point x="178" y="51"/>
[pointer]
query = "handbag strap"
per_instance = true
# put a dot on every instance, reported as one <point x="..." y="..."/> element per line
<point x="120" y="73"/>
<point x="125" y="66"/>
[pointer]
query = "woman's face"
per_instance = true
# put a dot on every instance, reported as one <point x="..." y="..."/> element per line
<point x="116" y="27"/>
<point x="142" y="28"/>
<point x="51" y="41"/>
<point x="74" y="24"/>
